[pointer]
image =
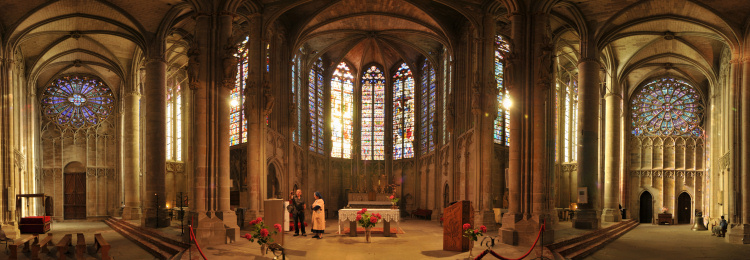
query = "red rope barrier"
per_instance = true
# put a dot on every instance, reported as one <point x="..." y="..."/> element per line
<point x="483" y="254"/>
<point x="192" y="236"/>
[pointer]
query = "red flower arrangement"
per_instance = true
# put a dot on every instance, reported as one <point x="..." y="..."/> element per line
<point x="260" y="232"/>
<point x="473" y="233"/>
<point x="367" y="220"/>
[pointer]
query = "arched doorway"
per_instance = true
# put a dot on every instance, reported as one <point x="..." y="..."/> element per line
<point x="684" y="208"/>
<point x="272" y="183"/>
<point x="647" y="207"/>
<point x="74" y="201"/>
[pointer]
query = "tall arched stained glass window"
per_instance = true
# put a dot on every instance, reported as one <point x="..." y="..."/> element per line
<point x="237" y="118"/>
<point x="77" y="101"/>
<point x="297" y="95"/>
<point x="316" y="100"/>
<point x="667" y="106"/>
<point x="342" y="102"/>
<point x="447" y="68"/>
<point x="502" y="121"/>
<point x="373" y="114"/>
<point x="403" y="113"/>
<point x="427" y="117"/>
<point x="174" y="122"/>
<point x="569" y="92"/>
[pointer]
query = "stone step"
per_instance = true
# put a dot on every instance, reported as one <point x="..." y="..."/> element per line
<point x="577" y="239"/>
<point x="594" y="238"/>
<point x="148" y="236"/>
<point x="590" y="249"/>
<point x="157" y="234"/>
<point x="149" y="247"/>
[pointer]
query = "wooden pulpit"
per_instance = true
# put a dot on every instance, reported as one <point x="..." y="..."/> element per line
<point x="454" y="217"/>
<point x="274" y="214"/>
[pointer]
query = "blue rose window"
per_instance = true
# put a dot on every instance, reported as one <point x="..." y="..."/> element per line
<point x="667" y="106"/>
<point x="77" y="101"/>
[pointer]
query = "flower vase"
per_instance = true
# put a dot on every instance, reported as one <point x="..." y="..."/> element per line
<point x="471" y="250"/>
<point x="393" y="206"/>
<point x="263" y="249"/>
<point x="367" y="234"/>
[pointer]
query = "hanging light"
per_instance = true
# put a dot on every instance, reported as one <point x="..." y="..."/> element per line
<point x="507" y="103"/>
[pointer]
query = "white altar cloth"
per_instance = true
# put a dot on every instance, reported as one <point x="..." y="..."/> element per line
<point x="350" y="215"/>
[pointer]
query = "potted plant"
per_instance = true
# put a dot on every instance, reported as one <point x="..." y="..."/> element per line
<point x="473" y="234"/>
<point x="261" y="234"/>
<point x="367" y="221"/>
<point x="394" y="200"/>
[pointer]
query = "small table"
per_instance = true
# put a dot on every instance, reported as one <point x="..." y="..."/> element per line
<point x="351" y="216"/>
<point x="665" y="218"/>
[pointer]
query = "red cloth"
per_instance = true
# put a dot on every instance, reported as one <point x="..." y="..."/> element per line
<point x="35" y="220"/>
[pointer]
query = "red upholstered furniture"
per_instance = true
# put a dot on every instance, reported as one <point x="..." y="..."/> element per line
<point x="35" y="225"/>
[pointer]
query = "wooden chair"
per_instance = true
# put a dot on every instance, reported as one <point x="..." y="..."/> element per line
<point x="80" y="246"/>
<point x="25" y="242"/>
<point x="4" y="239"/>
<point x="41" y="246"/>
<point x="62" y="246"/>
<point x="101" y="243"/>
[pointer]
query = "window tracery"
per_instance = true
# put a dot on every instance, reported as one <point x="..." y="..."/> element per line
<point x="502" y="121"/>
<point x="342" y="102"/>
<point x="77" y="101"/>
<point x="237" y="117"/>
<point x="428" y="97"/>
<point x="403" y="113"/>
<point x="667" y="106"/>
<point x="316" y="101"/>
<point x="373" y="114"/>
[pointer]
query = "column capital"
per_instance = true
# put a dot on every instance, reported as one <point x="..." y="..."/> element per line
<point x="155" y="59"/>
<point x="584" y="60"/>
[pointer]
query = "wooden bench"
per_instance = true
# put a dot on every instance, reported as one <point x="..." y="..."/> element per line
<point x="425" y="213"/>
<point x="25" y="242"/>
<point x="42" y="244"/>
<point x="80" y="246"/>
<point x="101" y="243"/>
<point x="62" y="246"/>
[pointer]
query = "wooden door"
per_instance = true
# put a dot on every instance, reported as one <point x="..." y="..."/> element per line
<point x="683" y="208"/>
<point x="647" y="207"/>
<point x="75" y="195"/>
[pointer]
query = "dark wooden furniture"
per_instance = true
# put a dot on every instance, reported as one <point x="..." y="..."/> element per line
<point x="25" y="242"/>
<point x="100" y="243"/>
<point x="80" y="246"/>
<point x="62" y="246"/>
<point x="665" y="219"/>
<point x="454" y="217"/>
<point x="424" y="213"/>
<point x="41" y="246"/>
<point x="35" y="225"/>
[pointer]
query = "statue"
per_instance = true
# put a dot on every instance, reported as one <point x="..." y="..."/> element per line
<point x="270" y="99"/>
<point x="450" y="114"/>
<point x="230" y="61"/>
<point x="193" y="66"/>
<point x="293" y="115"/>
<point x="545" y="62"/>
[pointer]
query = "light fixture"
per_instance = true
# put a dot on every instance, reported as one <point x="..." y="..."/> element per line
<point x="507" y="103"/>
<point x="234" y="102"/>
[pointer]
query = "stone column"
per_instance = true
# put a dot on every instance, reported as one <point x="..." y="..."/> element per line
<point x="256" y="161"/>
<point x="740" y="234"/>
<point x="587" y="215"/>
<point x="485" y="126"/>
<point x="611" y="212"/>
<point x="155" y="166"/>
<point x="131" y="163"/>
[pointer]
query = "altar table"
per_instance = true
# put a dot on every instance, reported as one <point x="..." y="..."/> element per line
<point x="370" y="204"/>
<point x="351" y="216"/>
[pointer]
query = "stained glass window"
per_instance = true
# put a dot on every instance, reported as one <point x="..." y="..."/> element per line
<point x="446" y="93"/>
<point x="569" y="92"/>
<point x="667" y="106"/>
<point x="316" y="101"/>
<point x="427" y="117"/>
<point x="342" y="102"/>
<point x="403" y="113"/>
<point x="373" y="114"/>
<point x="502" y="121"/>
<point x="174" y="123"/>
<point x="237" y="118"/>
<point x="77" y="101"/>
<point x="297" y="95"/>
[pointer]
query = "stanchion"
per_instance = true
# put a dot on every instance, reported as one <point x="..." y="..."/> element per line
<point x="492" y="240"/>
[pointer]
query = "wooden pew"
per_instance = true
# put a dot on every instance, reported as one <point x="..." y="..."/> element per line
<point x="80" y="246"/>
<point x="62" y="246"/>
<point x="25" y="242"/>
<point x="101" y="243"/>
<point x="35" y="248"/>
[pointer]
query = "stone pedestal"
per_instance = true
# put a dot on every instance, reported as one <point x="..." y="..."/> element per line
<point x="150" y="218"/>
<point x="611" y="215"/>
<point x="11" y="231"/>
<point x="486" y="218"/>
<point x="229" y="218"/>
<point x="519" y="231"/>
<point x="129" y="213"/>
<point x="209" y="229"/>
<point x="739" y="234"/>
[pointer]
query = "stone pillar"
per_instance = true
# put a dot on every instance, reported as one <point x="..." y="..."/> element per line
<point x="256" y="128"/>
<point x="611" y="212"/>
<point x="587" y="215"/>
<point x="155" y="95"/>
<point x="131" y="163"/>
<point x="485" y="123"/>
<point x="740" y="234"/>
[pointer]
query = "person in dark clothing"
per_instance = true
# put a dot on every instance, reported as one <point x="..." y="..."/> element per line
<point x="720" y="229"/>
<point x="299" y="214"/>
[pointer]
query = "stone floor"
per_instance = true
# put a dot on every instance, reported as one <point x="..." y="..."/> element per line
<point x="670" y="242"/>
<point x="423" y="240"/>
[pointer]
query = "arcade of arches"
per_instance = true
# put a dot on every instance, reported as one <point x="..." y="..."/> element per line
<point x="528" y="109"/>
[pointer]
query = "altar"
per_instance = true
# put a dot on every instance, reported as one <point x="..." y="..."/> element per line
<point x="350" y="215"/>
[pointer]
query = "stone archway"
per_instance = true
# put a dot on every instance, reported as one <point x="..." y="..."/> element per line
<point x="684" y="208"/>
<point x="74" y="200"/>
<point x="647" y="207"/>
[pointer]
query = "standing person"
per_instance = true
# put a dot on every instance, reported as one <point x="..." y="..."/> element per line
<point x="299" y="214"/>
<point x="318" y="216"/>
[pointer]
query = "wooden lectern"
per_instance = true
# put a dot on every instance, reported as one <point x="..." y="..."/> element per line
<point x="274" y="214"/>
<point x="454" y="217"/>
